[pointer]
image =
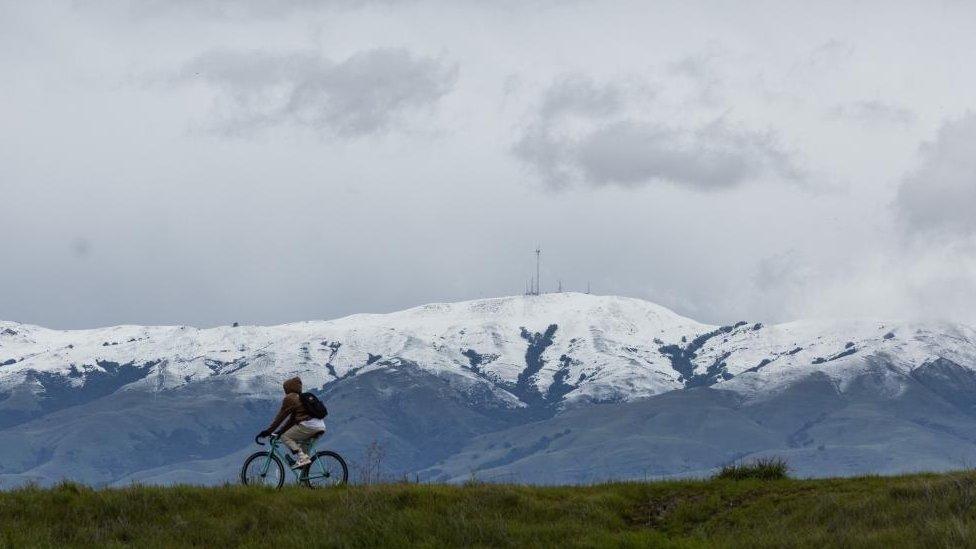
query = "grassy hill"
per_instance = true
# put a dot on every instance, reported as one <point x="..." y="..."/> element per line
<point x="916" y="511"/>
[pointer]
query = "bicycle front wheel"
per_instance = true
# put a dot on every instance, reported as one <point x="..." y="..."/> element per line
<point x="327" y="469"/>
<point x="263" y="469"/>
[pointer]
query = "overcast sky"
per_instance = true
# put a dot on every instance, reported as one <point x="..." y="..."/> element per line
<point x="205" y="162"/>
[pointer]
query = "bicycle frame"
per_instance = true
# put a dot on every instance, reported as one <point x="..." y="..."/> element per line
<point x="274" y="445"/>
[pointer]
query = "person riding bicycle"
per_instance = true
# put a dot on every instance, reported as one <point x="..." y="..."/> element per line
<point x="300" y="428"/>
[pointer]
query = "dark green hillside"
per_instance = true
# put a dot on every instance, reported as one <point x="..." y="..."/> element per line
<point x="907" y="511"/>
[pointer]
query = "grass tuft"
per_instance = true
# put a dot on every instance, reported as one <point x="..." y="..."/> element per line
<point x="769" y="468"/>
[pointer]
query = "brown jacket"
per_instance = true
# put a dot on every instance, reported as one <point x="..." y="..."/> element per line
<point x="291" y="405"/>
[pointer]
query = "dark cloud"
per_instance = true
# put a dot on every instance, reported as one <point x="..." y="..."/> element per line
<point x="874" y="113"/>
<point x="940" y="194"/>
<point x="366" y="94"/>
<point x="578" y="137"/>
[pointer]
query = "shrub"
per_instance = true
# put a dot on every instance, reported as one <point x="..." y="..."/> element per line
<point x="768" y="468"/>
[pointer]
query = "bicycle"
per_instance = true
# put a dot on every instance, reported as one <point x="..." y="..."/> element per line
<point x="265" y="468"/>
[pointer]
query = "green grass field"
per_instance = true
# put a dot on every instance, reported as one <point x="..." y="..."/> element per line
<point x="906" y="511"/>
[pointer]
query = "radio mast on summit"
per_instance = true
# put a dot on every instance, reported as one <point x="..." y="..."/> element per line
<point x="534" y="286"/>
<point x="538" y="263"/>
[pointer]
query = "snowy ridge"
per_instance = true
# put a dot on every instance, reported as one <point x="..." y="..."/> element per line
<point x="782" y="354"/>
<point x="552" y="349"/>
<point x="518" y="389"/>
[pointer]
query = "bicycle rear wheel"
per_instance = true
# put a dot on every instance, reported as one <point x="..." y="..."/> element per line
<point x="257" y="471"/>
<point x="327" y="469"/>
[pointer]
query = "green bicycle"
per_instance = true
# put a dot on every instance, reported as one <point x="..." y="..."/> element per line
<point x="265" y="468"/>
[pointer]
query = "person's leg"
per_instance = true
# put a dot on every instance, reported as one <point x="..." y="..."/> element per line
<point x="308" y="442"/>
<point x="295" y="438"/>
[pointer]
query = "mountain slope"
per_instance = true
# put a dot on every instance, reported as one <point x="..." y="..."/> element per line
<point x="551" y="388"/>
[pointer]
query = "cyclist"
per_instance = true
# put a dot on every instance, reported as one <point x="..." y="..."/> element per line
<point x="300" y="428"/>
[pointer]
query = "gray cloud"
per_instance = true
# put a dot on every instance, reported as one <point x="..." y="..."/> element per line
<point x="703" y="71"/>
<point x="367" y="93"/>
<point x="243" y="9"/>
<point x="940" y="194"/>
<point x="710" y="157"/>
<point x="874" y="113"/>
<point x="583" y="134"/>
<point x="575" y="94"/>
<point x="570" y="96"/>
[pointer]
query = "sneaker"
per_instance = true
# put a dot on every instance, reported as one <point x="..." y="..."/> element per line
<point x="289" y="459"/>
<point x="303" y="461"/>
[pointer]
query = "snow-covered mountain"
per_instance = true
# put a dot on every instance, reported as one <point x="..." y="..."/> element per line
<point x="553" y="388"/>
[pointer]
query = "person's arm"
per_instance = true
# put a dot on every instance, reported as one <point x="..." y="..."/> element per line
<point x="286" y="409"/>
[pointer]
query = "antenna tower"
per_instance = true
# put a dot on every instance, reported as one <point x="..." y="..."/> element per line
<point x="538" y="277"/>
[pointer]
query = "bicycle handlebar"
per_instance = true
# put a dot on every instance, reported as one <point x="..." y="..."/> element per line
<point x="257" y="439"/>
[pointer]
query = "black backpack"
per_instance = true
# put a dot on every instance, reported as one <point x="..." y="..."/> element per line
<point x="314" y="406"/>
